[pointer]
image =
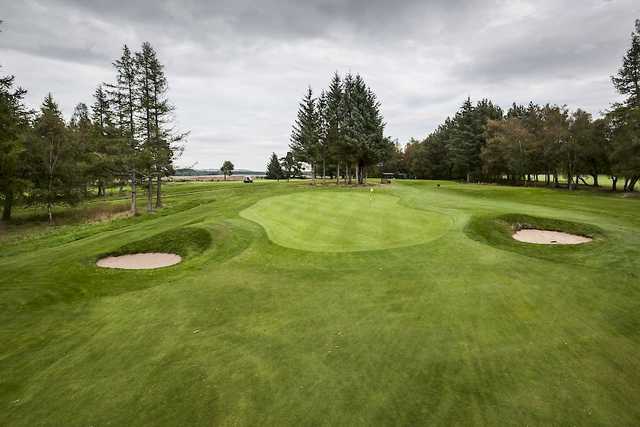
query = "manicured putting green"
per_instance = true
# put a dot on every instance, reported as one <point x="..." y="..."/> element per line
<point x="332" y="221"/>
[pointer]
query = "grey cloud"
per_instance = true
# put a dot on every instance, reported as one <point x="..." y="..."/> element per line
<point x="237" y="69"/>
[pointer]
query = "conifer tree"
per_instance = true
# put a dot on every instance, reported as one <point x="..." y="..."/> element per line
<point x="306" y="132"/>
<point x="274" y="169"/>
<point x="14" y="122"/>
<point x="108" y="149"/>
<point x="627" y="80"/>
<point x="333" y="121"/>
<point x="124" y="98"/>
<point x="52" y="158"/>
<point x="290" y="166"/>
<point x="80" y="136"/>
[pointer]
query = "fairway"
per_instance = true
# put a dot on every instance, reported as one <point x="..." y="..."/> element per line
<point x="316" y="305"/>
<point x="329" y="221"/>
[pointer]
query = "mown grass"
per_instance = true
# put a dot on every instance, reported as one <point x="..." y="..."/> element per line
<point x="184" y="241"/>
<point x="467" y="328"/>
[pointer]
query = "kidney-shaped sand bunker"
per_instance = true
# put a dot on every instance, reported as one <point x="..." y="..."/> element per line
<point x="159" y="250"/>
<point x="141" y="261"/>
<point x="549" y="237"/>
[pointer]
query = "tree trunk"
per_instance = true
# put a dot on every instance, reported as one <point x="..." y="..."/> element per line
<point x="595" y="180"/>
<point x="50" y="186"/>
<point x="49" y="212"/>
<point x="159" y="192"/>
<point x="614" y="183"/>
<point x="323" y="171"/>
<point x="338" y="174"/>
<point x="150" y="194"/>
<point x="134" y="195"/>
<point x="626" y="183"/>
<point x="632" y="184"/>
<point x="556" y="184"/>
<point x="468" y="177"/>
<point x="8" y="204"/>
<point x="570" y="180"/>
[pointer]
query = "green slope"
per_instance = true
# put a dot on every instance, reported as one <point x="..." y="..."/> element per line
<point x="450" y="326"/>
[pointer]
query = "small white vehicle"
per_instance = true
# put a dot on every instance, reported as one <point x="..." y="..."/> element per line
<point x="248" y="180"/>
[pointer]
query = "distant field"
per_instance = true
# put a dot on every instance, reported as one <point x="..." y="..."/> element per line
<point x="303" y="305"/>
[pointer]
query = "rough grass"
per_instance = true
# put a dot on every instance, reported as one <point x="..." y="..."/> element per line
<point x="463" y="329"/>
<point x="182" y="241"/>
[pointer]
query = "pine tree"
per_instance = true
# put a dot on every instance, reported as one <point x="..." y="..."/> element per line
<point x="80" y="133"/>
<point x="124" y="98"/>
<point x="464" y="141"/>
<point x="53" y="160"/>
<point x="290" y="166"/>
<point x="306" y="132"/>
<point x="108" y="149"/>
<point x="333" y="118"/>
<point x="161" y="142"/>
<point x="274" y="169"/>
<point x="14" y="122"/>
<point x="627" y="80"/>
<point x="344" y="125"/>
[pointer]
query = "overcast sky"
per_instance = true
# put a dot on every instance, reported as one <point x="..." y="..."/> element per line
<point x="237" y="69"/>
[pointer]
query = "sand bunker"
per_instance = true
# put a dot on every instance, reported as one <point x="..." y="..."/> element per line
<point x="139" y="261"/>
<point x="546" y="237"/>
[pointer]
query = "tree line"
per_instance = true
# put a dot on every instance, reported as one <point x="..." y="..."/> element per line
<point x="536" y="142"/>
<point x="339" y="133"/>
<point x="125" y="137"/>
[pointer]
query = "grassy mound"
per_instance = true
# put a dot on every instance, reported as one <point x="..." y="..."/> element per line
<point x="344" y="221"/>
<point x="497" y="231"/>
<point x="181" y="241"/>
<point x="452" y="332"/>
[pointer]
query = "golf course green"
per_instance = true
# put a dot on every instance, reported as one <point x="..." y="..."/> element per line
<point x="344" y="221"/>
<point x="297" y="304"/>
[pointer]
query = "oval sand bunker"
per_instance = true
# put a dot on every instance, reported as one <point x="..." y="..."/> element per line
<point x="546" y="237"/>
<point x="141" y="261"/>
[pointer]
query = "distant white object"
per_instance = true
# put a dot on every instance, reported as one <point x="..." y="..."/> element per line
<point x="248" y="180"/>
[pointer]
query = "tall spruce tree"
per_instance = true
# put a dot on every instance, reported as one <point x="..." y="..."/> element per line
<point x="274" y="169"/>
<point x="333" y="118"/>
<point x="627" y="80"/>
<point x="124" y="97"/>
<point x="464" y="143"/>
<point x="14" y="122"/>
<point x="108" y="148"/>
<point x="306" y="132"/>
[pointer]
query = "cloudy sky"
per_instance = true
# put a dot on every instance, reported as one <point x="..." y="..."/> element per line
<point x="237" y="69"/>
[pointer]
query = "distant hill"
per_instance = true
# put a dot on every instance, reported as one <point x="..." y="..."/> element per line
<point x="204" y="172"/>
